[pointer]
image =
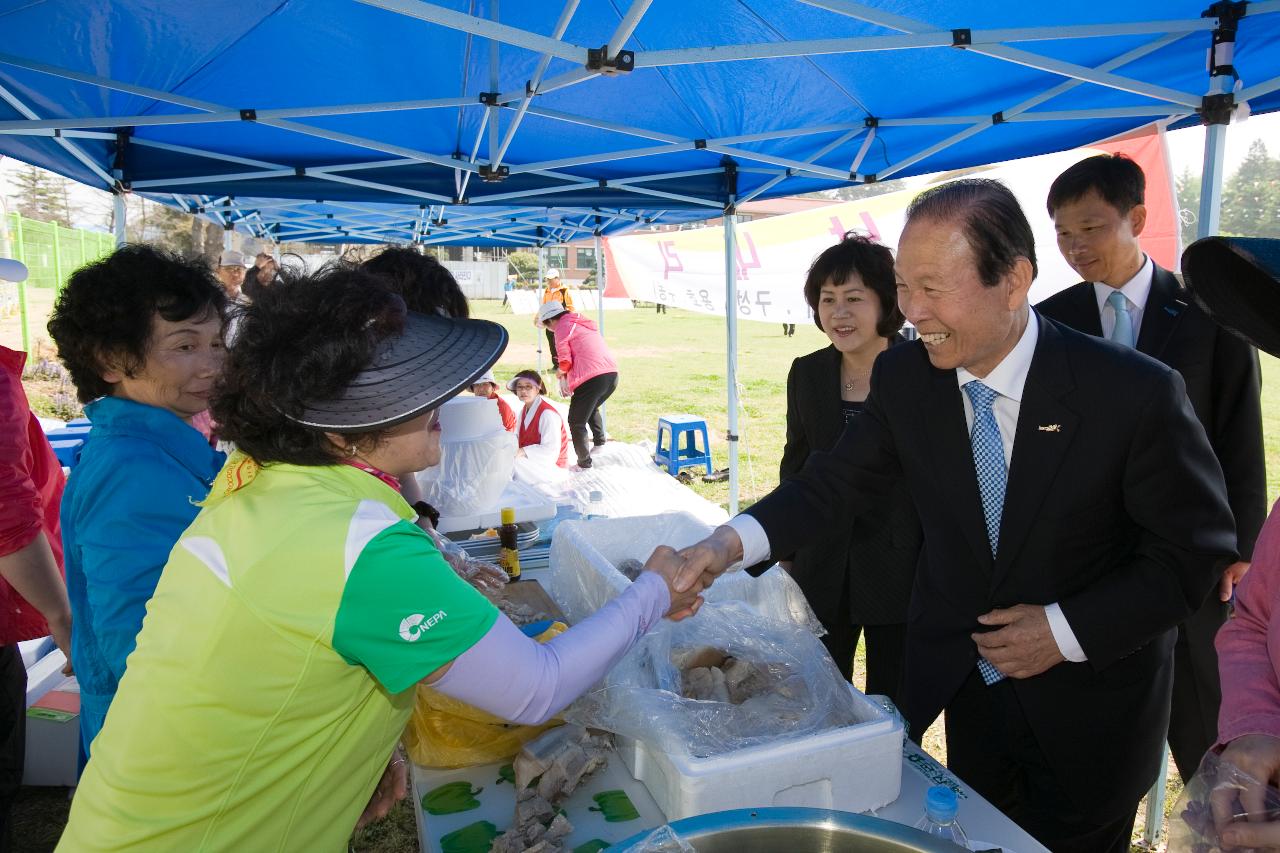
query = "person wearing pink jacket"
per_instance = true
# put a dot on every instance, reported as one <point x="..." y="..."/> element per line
<point x="1236" y="280"/>
<point x="586" y="368"/>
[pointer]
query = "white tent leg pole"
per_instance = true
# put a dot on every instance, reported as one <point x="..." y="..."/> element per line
<point x="1155" y="801"/>
<point x="1215" y="146"/>
<point x="120" y="219"/>
<point x="731" y="352"/>
<point x="226" y="238"/>
<point x="538" y="337"/>
<point x="600" y="283"/>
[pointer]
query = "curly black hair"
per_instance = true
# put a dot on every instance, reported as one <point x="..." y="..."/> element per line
<point x="106" y="310"/>
<point x="858" y="255"/>
<point x="304" y="339"/>
<point x="420" y="280"/>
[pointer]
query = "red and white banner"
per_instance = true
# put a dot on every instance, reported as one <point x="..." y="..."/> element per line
<point x="686" y="268"/>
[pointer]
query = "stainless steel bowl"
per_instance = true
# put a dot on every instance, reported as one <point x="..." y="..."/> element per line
<point x="796" y="830"/>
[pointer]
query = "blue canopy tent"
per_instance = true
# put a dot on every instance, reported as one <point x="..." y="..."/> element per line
<point x="688" y="107"/>
<point x="681" y="105"/>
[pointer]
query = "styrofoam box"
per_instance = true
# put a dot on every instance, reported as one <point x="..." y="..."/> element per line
<point x="583" y="577"/>
<point x="855" y="769"/>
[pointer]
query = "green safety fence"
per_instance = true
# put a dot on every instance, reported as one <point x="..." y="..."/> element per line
<point x="52" y="253"/>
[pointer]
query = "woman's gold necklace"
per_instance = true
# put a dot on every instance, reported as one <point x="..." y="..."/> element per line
<point x="852" y="384"/>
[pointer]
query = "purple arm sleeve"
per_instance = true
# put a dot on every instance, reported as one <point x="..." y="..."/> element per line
<point x="521" y="680"/>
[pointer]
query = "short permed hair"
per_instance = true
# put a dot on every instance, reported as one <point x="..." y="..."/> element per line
<point x="107" y="308"/>
<point x="994" y="225"/>
<point x="1117" y="179"/>
<point x="420" y="280"/>
<point x="303" y="340"/>
<point x="858" y="255"/>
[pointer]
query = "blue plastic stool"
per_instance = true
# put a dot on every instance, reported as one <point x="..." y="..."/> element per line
<point x="67" y="450"/>
<point x="68" y="432"/>
<point x="673" y="454"/>
<point x="80" y="422"/>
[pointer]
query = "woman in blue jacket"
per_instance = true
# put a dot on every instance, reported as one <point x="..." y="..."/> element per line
<point x="141" y="334"/>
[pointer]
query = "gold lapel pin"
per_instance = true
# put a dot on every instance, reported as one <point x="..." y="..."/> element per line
<point x="1050" y="427"/>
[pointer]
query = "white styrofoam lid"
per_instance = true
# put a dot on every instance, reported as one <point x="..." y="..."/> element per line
<point x="467" y="418"/>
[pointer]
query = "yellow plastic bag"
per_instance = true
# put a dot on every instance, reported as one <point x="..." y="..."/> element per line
<point x="444" y="732"/>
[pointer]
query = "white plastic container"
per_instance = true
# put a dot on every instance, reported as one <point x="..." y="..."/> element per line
<point x="584" y="554"/>
<point x="528" y="502"/>
<point x="855" y="769"/>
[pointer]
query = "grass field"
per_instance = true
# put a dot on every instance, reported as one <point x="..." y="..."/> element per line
<point x="670" y="362"/>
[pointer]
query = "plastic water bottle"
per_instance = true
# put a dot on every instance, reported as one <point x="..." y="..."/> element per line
<point x="940" y="809"/>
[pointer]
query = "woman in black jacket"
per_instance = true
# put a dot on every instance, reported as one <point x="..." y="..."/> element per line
<point x="858" y="578"/>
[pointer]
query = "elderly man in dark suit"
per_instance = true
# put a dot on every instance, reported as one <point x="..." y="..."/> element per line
<point x="1098" y="212"/>
<point x="1073" y="512"/>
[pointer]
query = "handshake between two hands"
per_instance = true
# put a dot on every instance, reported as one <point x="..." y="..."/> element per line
<point x="1018" y="639"/>
<point x="690" y="571"/>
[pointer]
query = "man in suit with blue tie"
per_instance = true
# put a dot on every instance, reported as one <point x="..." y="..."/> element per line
<point x="1098" y="212"/>
<point x="1073" y="514"/>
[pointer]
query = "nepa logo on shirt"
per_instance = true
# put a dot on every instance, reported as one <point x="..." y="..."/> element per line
<point x="415" y="625"/>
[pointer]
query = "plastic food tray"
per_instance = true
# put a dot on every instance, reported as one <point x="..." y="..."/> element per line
<point x="487" y="546"/>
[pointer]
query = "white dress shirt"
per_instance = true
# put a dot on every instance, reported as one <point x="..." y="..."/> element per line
<point x="1007" y="379"/>
<point x="1135" y="290"/>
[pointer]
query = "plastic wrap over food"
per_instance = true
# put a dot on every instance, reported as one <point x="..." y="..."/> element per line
<point x="471" y="475"/>
<point x="723" y="680"/>
<point x="662" y="840"/>
<point x="589" y="558"/>
<point x="485" y="577"/>
<point x="1218" y="795"/>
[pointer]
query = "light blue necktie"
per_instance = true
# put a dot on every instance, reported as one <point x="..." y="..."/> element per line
<point x="1123" y="332"/>
<point x="988" y="462"/>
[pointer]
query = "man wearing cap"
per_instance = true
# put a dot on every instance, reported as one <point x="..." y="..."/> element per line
<point x="33" y="596"/>
<point x="230" y="272"/>
<point x="555" y="292"/>
<point x="487" y="386"/>
<point x="1099" y="213"/>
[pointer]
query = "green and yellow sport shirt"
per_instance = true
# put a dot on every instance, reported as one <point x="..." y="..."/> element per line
<point x="273" y="671"/>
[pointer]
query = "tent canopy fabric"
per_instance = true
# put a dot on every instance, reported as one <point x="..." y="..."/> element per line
<point x="690" y="106"/>
<point x="301" y="221"/>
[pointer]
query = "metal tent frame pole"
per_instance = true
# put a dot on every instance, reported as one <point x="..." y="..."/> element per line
<point x="120" y="216"/>
<point x="731" y="350"/>
<point x="1215" y="145"/>
<point x="600" y="285"/>
<point x="538" y="337"/>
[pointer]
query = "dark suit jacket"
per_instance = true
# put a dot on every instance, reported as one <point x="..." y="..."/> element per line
<point x="875" y="554"/>
<point x="1115" y="508"/>
<point x="1222" y="376"/>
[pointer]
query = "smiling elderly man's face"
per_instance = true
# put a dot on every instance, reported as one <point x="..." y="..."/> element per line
<point x="961" y="321"/>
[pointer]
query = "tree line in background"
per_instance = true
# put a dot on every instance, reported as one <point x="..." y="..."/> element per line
<point x="47" y="197"/>
<point x="1250" y="198"/>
